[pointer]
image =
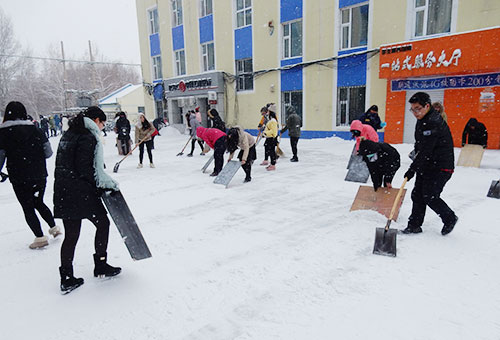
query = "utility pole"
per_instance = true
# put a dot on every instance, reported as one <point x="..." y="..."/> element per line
<point x="64" y="78"/>
<point x="92" y="65"/>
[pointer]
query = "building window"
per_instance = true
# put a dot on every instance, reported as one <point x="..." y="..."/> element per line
<point x="176" y="12"/>
<point x="159" y="108"/>
<point x="293" y="99"/>
<point x="141" y="109"/>
<point x="244" y="74"/>
<point x="432" y="17"/>
<point x="351" y="104"/>
<point x="157" y="73"/>
<point x="354" y="26"/>
<point x="208" y="56"/>
<point x="205" y="8"/>
<point x="292" y="39"/>
<point x="153" y="21"/>
<point x="243" y="13"/>
<point x="180" y="62"/>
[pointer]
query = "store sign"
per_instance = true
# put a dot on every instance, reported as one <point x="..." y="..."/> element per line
<point x="196" y="84"/>
<point x="464" y="53"/>
<point x="454" y="82"/>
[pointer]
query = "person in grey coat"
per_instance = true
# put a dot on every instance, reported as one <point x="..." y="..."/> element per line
<point x="193" y="124"/>
<point x="293" y="125"/>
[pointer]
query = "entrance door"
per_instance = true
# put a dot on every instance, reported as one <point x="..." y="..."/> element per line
<point x="410" y="120"/>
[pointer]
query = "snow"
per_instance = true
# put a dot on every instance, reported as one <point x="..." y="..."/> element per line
<point x="280" y="257"/>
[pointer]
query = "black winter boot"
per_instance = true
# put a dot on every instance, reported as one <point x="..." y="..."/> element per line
<point x="68" y="281"/>
<point x="102" y="269"/>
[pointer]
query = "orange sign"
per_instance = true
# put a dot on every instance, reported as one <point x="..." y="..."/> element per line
<point x="463" y="53"/>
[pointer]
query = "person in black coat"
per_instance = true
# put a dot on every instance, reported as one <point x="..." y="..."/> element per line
<point x="477" y="133"/>
<point x="216" y="120"/>
<point x="383" y="162"/>
<point x="372" y="118"/>
<point x="26" y="147"/>
<point x="79" y="182"/>
<point x="122" y="129"/>
<point x="433" y="163"/>
<point x="44" y="125"/>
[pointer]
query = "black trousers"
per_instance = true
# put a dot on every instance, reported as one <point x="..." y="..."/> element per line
<point x="125" y="145"/>
<point x="72" y="233"/>
<point x="149" y="147"/>
<point x="293" y="143"/>
<point x="247" y="167"/>
<point x="270" y="149"/>
<point x="426" y="192"/>
<point x="219" y="149"/>
<point x="193" y="143"/>
<point x="30" y="196"/>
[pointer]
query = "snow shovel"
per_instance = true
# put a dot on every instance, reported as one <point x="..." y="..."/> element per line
<point x="117" y="165"/>
<point x="385" y="238"/>
<point x="182" y="151"/>
<point x="494" y="191"/>
<point x="4" y="177"/>
<point x="278" y="150"/>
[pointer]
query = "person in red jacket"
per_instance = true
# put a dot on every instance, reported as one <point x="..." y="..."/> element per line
<point x="216" y="139"/>
<point x="359" y="130"/>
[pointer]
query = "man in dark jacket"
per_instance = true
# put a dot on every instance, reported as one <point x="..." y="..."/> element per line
<point x="26" y="147"/>
<point x="383" y="162"/>
<point x="372" y="118"/>
<point x="79" y="181"/>
<point x="293" y="125"/>
<point x="477" y="133"/>
<point x="122" y="128"/>
<point x="433" y="164"/>
<point x="44" y="125"/>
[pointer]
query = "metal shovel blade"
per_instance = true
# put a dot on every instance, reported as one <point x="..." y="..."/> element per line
<point x="494" y="191"/>
<point x="115" y="169"/>
<point x="385" y="242"/>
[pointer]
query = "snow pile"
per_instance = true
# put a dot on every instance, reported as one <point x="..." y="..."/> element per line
<point x="280" y="257"/>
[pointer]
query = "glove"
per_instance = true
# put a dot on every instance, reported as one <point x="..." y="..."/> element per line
<point x="383" y="124"/>
<point x="409" y="174"/>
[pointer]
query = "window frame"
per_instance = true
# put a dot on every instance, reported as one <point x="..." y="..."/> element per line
<point x="177" y="19"/>
<point x="205" y="56"/>
<point x="288" y="38"/>
<point x="285" y="104"/>
<point x="179" y="63"/>
<point x="244" y="75"/>
<point x="348" y="119"/>
<point x="348" y="25"/>
<point x="204" y="8"/>
<point x="243" y="10"/>
<point x="153" y="24"/>
<point x="157" y="71"/>
<point x="425" y="9"/>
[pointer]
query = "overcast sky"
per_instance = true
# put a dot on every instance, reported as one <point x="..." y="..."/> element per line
<point x="111" y="25"/>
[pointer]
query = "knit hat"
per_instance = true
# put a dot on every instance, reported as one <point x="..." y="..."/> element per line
<point x="15" y="111"/>
<point x="272" y="108"/>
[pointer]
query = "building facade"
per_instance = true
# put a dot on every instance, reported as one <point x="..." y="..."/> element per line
<point x="322" y="57"/>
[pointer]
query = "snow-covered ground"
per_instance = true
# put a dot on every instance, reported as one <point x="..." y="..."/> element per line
<point x="280" y="257"/>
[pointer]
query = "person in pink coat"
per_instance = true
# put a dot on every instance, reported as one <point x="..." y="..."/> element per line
<point x="366" y="131"/>
<point x="216" y="139"/>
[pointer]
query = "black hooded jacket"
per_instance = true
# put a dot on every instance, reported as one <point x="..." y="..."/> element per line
<point x="75" y="189"/>
<point x="217" y="122"/>
<point x="123" y="128"/>
<point x="477" y="133"/>
<point x="433" y="145"/>
<point x="382" y="159"/>
<point x="371" y="118"/>
<point x="26" y="147"/>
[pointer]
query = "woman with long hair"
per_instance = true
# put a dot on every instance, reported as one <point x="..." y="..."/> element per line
<point x="143" y="132"/>
<point x="237" y="138"/>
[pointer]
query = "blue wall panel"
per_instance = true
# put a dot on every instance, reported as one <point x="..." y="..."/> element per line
<point x="290" y="10"/>
<point x="178" y="37"/>
<point x="206" y="29"/>
<point x="158" y="92"/>
<point x="154" y="44"/>
<point x="309" y="134"/>
<point x="346" y="3"/>
<point x="243" y="43"/>
<point x="291" y="80"/>
<point x="351" y="71"/>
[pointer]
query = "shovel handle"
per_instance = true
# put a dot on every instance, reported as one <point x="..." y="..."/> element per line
<point x="396" y="202"/>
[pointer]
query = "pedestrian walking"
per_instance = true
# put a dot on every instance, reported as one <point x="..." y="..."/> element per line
<point x="215" y="139"/>
<point x="238" y="138"/>
<point x="293" y="125"/>
<point x="433" y="164"/>
<point x="143" y="132"/>
<point x="80" y="180"/>
<point x="44" y="125"/>
<point x="26" y="147"/>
